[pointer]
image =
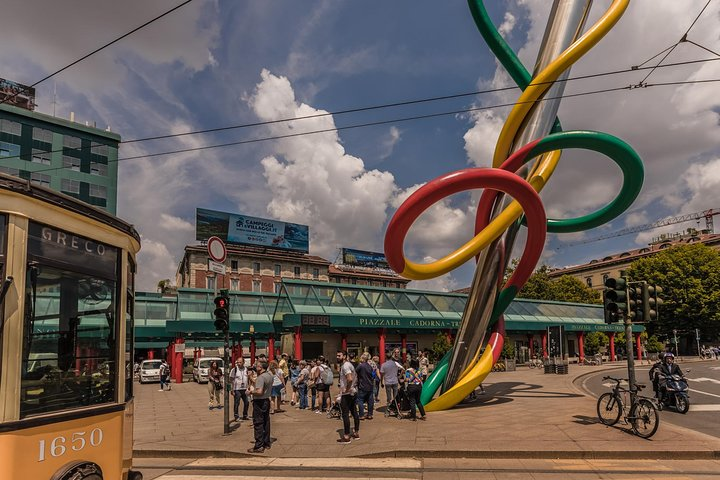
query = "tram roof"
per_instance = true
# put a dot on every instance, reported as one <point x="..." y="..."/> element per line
<point x="47" y="195"/>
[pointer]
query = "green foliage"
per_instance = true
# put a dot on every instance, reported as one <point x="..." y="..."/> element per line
<point x="690" y="278"/>
<point x="594" y="342"/>
<point x="508" y="350"/>
<point x="564" y="289"/>
<point x="440" y="347"/>
<point x="653" y="345"/>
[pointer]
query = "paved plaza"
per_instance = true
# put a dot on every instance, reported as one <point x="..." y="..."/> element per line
<point x="521" y="415"/>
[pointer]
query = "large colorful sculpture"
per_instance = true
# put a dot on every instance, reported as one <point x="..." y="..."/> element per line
<point x="531" y="133"/>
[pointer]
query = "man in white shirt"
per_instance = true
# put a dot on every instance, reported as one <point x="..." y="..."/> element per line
<point x="348" y="392"/>
<point x="239" y="379"/>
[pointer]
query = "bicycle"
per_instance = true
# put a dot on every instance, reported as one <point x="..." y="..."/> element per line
<point x="590" y="361"/>
<point x="642" y="414"/>
<point x="535" y="362"/>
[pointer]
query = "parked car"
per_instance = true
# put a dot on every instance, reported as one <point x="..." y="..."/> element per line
<point x="150" y="371"/>
<point x="202" y="366"/>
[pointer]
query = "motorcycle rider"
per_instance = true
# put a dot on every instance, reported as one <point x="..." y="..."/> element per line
<point x="653" y="373"/>
<point x="667" y="370"/>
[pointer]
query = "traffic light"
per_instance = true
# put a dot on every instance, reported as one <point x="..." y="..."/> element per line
<point x="635" y="303"/>
<point x="222" y="311"/>
<point x="615" y="299"/>
<point x="651" y="302"/>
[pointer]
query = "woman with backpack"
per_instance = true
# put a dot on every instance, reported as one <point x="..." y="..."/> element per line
<point x="323" y="383"/>
<point x="414" y="384"/>
<point x="214" y="386"/>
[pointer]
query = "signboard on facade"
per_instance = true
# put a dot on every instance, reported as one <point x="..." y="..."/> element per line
<point x="362" y="258"/>
<point x="246" y="230"/>
<point x="357" y="321"/>
<point x="17" y="94"/>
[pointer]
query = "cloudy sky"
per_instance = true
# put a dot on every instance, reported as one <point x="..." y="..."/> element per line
<point x="231" y="62"/>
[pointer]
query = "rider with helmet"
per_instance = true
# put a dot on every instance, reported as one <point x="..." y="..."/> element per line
<point x="653" y="373"/>
<point x="667" y="369"/>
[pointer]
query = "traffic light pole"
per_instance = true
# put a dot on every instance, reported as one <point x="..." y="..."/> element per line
<point x="226" y="383"/>
<point x="629" y="351"/>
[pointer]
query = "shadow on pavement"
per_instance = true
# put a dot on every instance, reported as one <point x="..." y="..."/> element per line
<point x="504" y="392"/>
<point x="585" y="420"/>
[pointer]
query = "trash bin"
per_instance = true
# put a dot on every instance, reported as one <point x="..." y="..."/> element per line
<point x="561" y="368"/>
<point x="548" y="366"/>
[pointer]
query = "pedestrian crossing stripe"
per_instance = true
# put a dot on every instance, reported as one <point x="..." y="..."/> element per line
<point x="705" y="408"/>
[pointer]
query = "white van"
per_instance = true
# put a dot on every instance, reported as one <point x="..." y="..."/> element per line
<point x="202" y="366"/>
<point x="150" y="371"/>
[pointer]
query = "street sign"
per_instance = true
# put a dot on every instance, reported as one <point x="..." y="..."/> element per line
<point x="216" y="267"/>
<point x="216" y="249"/>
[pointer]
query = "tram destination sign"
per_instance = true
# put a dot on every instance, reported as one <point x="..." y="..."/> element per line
<point x="240" y="229"/>
<point x="67" y="249"/>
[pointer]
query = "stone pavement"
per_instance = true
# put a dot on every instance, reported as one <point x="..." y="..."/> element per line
<point x="522" y="414"/>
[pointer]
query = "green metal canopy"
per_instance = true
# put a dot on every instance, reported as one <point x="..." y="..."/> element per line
<point x="331" y="307"/>
<point x="328" y="306"/>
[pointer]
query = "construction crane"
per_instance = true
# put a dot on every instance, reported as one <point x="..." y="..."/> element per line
<point x="706" y="214"/>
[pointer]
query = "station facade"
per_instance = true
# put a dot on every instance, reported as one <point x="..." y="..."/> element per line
<point x="307" y="318"/>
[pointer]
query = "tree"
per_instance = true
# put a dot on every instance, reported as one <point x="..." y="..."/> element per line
<point x="594" y="342"/>
<point x="564" y="289"/>
<point x="508" y="350"/>
<point x="440" y="346"/>
<point x="653" y="345"/>
<point x="166" y="286"/>
<point x="690" y="278"/>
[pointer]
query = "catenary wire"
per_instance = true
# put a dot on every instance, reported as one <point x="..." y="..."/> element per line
<point x="369" y="108"/>
<point x="84" y="57"/>
<point x="384" y="122"/>
<point x="682" y="39"/>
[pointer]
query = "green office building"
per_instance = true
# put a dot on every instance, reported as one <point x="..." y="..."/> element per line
<point x="76" y="159"/>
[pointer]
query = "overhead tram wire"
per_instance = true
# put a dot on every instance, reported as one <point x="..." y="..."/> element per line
<point x="670" y="49"/>
<point x="375" y="107"/>
<point x="384" y="122"/>
<point x="84" y="57"/>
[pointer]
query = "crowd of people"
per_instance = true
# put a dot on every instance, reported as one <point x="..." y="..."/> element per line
<point x="306" y="385"/>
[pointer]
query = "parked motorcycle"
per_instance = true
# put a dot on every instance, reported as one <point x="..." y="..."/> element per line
<point x="676" y="394"/>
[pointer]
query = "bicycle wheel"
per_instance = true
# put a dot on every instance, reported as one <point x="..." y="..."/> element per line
<point x="644" y="418"/>
<point x="609" y="408"/>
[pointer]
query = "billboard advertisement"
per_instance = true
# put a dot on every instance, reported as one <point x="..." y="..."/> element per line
<point x="361" y="258"/>
<point x="246" y="230"/>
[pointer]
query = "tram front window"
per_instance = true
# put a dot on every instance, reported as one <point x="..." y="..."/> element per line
<point x="69" y="351"/>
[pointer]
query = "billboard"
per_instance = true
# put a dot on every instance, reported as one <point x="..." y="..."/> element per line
<point x="361" y="258"/>
<point x="17" y="94"/>
<point x="246" y="230"/>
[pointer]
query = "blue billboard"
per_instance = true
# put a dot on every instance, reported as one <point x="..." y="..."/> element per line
<point x="245" y="230"/>
<point x="362" y="258"/>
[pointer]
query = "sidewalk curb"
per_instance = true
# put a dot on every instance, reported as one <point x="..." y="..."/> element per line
<point x="496" y="454"/>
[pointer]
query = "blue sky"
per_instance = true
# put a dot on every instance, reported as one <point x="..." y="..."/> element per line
<point x="218" y="63"/>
